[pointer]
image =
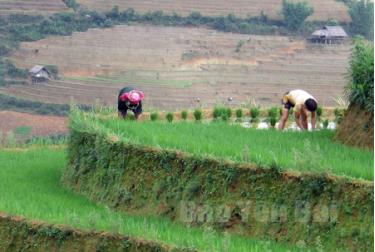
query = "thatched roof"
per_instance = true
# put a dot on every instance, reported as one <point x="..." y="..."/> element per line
<point x="36" y="69"/>
<point x="330" y="32"/>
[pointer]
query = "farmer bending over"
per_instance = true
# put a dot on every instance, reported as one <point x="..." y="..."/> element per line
<point x="303" y="103"/>
<point x="129" y="98"/>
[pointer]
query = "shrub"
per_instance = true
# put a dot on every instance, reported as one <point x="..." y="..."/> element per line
<point x="71" y="4"/>
<point x="53" y="70"/>
<point x="128" y="15"/>
<point x="361" y="76"/>
<point x="319" y="111"/>
<point x="254" y="113"/>
<point x="228" y="112"/>
<point x="198" y="114"/>
<point x="114" y="13"/>
<point x="195" y="18"/>
<point x="169" y="117"/>
<point x="273" y="112"/>
<point x="224" y="117"/>
<point x="216" y="113"/>
<point x="222" y="112"/>
<point x="239" y="46"/>
<point x="325" y="124"/>
<point x="239" y="113"/>
<point x="154" y="116"/>
<point x="107" y="23"/>
<point x="339" y="114"/>
<point x="12" y="71"/>
<point x="295" y="14"/>
<point x="332" y="22"/>
<point x="184" y="114"/>
<point x="273" y="122"/>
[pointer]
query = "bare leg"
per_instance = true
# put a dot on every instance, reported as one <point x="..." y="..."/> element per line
<point x="313" y="120"/>
<point x="297" y="117"/>
<point x="283" y="118"/>
<point x="121" y="114"/>
<point x="137" y="116"/>
<point x="304" y="122"/>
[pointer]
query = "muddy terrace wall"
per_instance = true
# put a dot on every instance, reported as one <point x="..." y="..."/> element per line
<point x="311" y="209"/>
<point x="17" y="234"/>
<point x="357" y="128"/>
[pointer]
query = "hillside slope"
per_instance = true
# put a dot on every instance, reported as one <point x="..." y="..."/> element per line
<point x="32" y="7"/>
<point x="323" y="9"/>
<point x="174" y="66"/>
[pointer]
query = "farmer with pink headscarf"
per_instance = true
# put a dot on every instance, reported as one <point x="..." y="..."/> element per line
<point x="130" y="98"/>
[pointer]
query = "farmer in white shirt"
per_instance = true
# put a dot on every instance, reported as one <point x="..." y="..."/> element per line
<point x="303" y="103"/>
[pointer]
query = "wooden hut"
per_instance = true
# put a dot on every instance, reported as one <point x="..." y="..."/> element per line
<point x="329" y="35"/>
<point x="39" y="74"/>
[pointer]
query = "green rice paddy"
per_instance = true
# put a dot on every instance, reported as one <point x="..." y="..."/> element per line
<point x="30" y="187"/>
<point x="299" y="151"/>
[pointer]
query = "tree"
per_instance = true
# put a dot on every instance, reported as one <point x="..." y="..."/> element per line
<point x="1" y="74"/>
<point x="128" y="15"/>
<point x="71" y="4"/>
<point x="362" y="14"/>
<point x="12" y="71"/>
<point x="5" y="49"/>
<point x="361" y="75"/>
<point x="114" y="13"/>
<point x="332" y="22"/>
<point x="195" y="18"/>
<point x="295" y="14"/>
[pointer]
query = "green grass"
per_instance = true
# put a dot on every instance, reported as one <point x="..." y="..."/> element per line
<point x="30" y="187"/>
<point x="301" y="151"/>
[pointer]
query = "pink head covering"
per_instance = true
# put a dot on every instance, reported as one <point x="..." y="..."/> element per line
<point x="134" y="96"/>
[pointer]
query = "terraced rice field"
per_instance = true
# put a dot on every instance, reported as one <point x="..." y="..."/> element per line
<point x="175" y="66"/>
<point x="323" y="9"/>
<point x="39" y="125"/>
<point x="32" y="177"/>
<point x="31" y="7"/>
<point x="263" y="146"/>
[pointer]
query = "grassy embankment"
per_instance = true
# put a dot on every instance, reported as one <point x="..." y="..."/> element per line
<point x="111" y="162"/>
<point x="29" y="185"/>
<point x="299" y="151"/>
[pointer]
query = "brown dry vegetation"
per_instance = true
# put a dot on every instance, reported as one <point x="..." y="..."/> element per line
<point x="323" y="9"/>
<point x="32" y="7"/>
<point x="175" y="65"/>
<point x="40" y="125"/>
<point x="357" y="128"/>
